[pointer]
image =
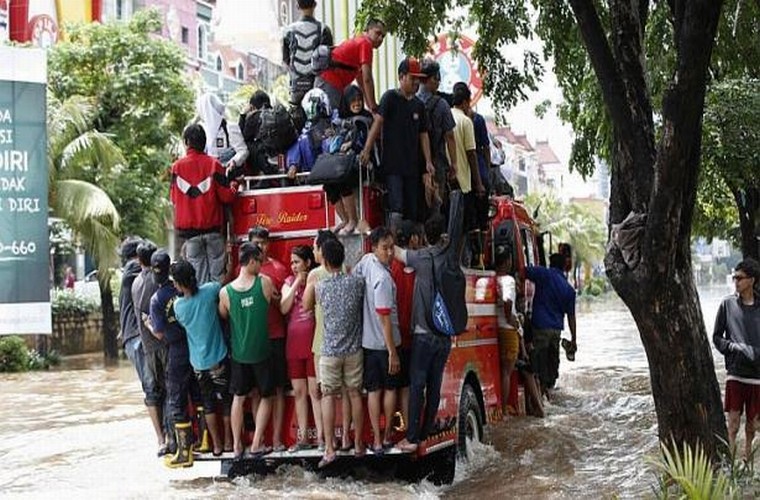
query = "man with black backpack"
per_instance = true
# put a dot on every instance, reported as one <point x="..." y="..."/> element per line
<point x="440" y="130"/>
<point x="300" y="40"/>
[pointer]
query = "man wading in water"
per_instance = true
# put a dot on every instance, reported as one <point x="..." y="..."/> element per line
<point x="737" y="337"/>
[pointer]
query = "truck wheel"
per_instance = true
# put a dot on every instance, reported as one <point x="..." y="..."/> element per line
<point x="469" y="424"/>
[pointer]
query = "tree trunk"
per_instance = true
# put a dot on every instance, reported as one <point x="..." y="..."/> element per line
<point x="748" y="203"/>
<point x="110" y="321"/>
<point x="661" y="183"/>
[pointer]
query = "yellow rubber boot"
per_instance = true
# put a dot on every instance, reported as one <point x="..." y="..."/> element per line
<point x="184" y="455"/>
<point x="203" y="444"/>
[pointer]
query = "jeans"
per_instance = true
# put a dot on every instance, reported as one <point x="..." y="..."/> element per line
<point x="429" y="355"/>
<point x="207" y="254"/>
<point x="134" y="350"/>
<point x="403" y="195"/>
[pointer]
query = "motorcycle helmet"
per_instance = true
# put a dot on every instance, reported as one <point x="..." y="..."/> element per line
<point x="316" y="104"/>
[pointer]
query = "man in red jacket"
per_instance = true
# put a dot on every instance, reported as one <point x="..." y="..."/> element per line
<point x="199" y="189"/>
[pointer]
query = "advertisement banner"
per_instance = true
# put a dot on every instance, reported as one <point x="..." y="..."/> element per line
<point x="24" y="251"/>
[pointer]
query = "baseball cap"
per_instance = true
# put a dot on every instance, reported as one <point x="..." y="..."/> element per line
<point x="411" y="66"/>
<point x="431" y="68"/>
<point x="160" y="262"/>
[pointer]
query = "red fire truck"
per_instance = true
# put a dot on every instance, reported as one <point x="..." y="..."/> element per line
<point x="471" y="389"/>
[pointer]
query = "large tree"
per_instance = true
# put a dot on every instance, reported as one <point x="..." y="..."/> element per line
<point x="652" y="175"/>
<point x="141" y="95"/>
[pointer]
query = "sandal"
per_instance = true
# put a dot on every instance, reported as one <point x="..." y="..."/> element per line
<point x="327" y="460"/>
<point x="378" y="451"/>
<point x="299" y="447"/>
<point x="337" y="227"/>
<point x="279" y="448"/>
<point x="162" y="450"/>
<point x="346" y="448"/>
<point x="360" y="452"/>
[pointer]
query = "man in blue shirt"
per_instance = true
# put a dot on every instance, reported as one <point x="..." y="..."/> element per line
<point x="196" y="310"/>
<point x="554" y="298"/>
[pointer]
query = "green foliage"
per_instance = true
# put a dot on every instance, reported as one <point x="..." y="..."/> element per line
<point x="497" y="23"/>
<point x="68" y="302"/>
<point x="596" y="286"/>
<point x="571" y="223"/>
<point x="689" y="474"/>
<point x="14" y="356"/>
<point x="39" y="361"/>
<point x="141" y="99"/>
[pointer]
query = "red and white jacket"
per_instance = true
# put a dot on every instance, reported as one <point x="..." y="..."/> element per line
<point x="199" y="189"/>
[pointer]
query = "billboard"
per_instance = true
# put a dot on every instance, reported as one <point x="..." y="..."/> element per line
<point x="24" y="250"/>
<point x="457" y="65"/>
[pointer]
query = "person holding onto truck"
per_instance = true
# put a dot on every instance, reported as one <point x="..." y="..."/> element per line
<point x="341" y="297"/>
<point x="197" y="311"/>
<point x="199" y="191"/>
<point x="300" y="337"/>
<point x="352" y="60"/>
<point x="506" y="317"/>
<point x="276" y="272"/>
<point x="554" y="299"/>
<point x="381" y="339"/>
<point x="245" y="303"/>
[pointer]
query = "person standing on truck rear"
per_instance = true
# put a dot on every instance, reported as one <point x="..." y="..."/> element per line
<point x="408" y="237"/>
<point x="380" y="335"/>
<point x="130" y="332"/>
<point x="506" y="317"/>
<point x="298" y="44"/>
<point x="276" y="272"/>
<point x="164" y="325"/>
<point x="300" y="337"/>
<point x="197" y="311"/>
<point x="199" y="190"/>
<point x="430" y="351"/>
<point x="554" y="299"/>
<point x="245" y="302"/>
<point x="341" y="297"/>
<point x="352" y="60"/>
<point x="155" y="352"/>
<point x="401" y="119"/>
<point x="737" y="336"/>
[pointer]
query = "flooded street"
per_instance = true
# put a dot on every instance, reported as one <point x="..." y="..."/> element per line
<point x="82" y="430"/>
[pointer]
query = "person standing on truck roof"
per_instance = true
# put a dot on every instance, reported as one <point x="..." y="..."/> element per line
<point x="381" y="339"/>
<point x="197" y="310"/>
<point x="298" y="44"/>
<point x="341" y="297"/>
<point x="276" y="272"/>
<point x="300" y="337"/>
<point x="352" y="60"/>
<point x="737" y="336"/>
<point x="199" y="190"/>
<point x="554" y="299"/>
<point x="402" y="121"/>
<point x="245" y="302"/>
<point x="430" y="351"/>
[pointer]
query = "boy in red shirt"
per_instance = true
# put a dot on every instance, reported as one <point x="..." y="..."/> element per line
<point x="277" y="272"/>
<point x="199" y="189"/>
<point x="352" y="60"/>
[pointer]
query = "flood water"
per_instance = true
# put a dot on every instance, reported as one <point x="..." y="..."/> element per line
<point x="82" y="430"/>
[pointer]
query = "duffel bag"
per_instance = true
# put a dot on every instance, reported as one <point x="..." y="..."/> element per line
<point x="335" y="168"/>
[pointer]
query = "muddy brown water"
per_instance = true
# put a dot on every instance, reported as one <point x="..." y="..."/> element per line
<point x="82" y="430"/>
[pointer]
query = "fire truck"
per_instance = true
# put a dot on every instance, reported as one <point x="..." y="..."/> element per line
<point x="471" y="388"/>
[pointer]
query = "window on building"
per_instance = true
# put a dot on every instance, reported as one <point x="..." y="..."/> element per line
<point x="219" y="63"/>
<point x="119" y="9"/>
<point x="240" y="72"/>
<point x="185" y="35"/>
<point x="202" y="42"/>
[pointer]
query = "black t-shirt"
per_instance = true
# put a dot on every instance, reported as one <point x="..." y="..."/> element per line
<point x="403" y="122"/>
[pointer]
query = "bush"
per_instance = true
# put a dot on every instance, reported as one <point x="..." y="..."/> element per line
<point x="72" y="303"/>
<point x="14" y="356"/>
<point x="596" y="286"/>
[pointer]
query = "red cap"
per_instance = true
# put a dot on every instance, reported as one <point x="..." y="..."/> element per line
<point x="411" y="66"/>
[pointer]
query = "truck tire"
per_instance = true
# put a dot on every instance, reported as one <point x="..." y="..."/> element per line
<point x="469" y="423"/>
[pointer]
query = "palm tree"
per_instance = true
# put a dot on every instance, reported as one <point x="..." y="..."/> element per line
<point x="79" y="157"/>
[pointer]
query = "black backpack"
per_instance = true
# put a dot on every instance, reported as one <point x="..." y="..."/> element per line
<point x="276" y="130"/>
<point x="303" y="38"/>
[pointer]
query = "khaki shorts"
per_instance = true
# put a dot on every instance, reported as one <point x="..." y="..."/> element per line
<point x="337" y="373"/>
<point x="509" y="344"/>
